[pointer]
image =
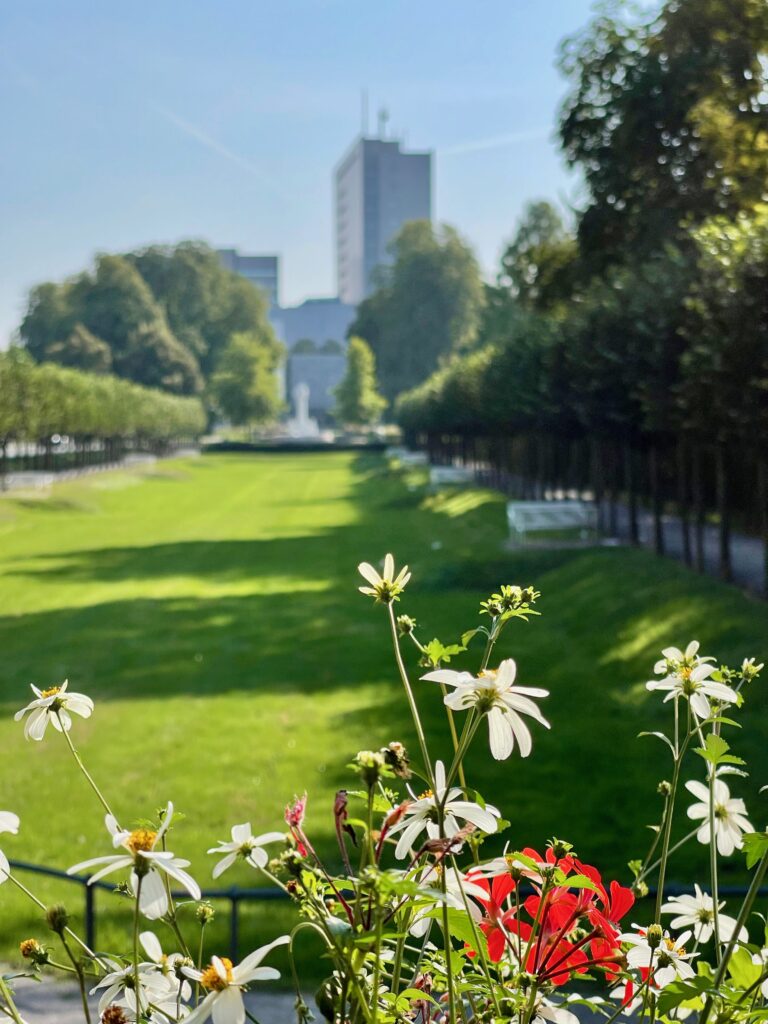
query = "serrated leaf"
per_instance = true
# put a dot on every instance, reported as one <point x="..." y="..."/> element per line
<point x="755" y="846"/>
<point x="715" y="751"/>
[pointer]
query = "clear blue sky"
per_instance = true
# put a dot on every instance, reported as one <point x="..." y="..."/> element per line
<point x="141" y="122"/>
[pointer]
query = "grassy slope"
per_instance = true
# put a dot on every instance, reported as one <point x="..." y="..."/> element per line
<point x="210" y="608"/>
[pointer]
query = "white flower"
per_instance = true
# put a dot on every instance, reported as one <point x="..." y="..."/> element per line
<point x="9" y="822"/>
<point x="386" y="586"/>
<point x="167" y="965"/>
<point x="685" y="674"/>
<point x="53" y="705"/>
<point x="455" y="882"/>
<point x="669" y="959"/>
<point x="120" y="990"/>
<point x="246" y="846"/>
<point x="730" y="816"/>
<point x="422" y="814"/>
<point x="545" y="1010"/>
<point x="224" y="983"/>
<point x="698" y="913"/>
<point x="146" y="863"/>
<point x="494" y="693"/>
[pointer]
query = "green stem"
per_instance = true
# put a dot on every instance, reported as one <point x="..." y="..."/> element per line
<point x="136" y="950"/>
<point x="84" y="770"/>
<point x="38" y="903"/>
<point x="454" y="737"/>
<point x="744" y="913"/>
<point x="5" y="992"/>
<point x="80" y="977"/>
<point x="668" y="822"/>
<point x="411" y="699"/>
<point x="676" y="846"/>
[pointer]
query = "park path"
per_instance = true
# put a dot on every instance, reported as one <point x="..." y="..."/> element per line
<point x="51" y="1002"/>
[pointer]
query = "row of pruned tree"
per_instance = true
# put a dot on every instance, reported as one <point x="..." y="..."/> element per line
<point x="100" y="414"/>
<point x="630" y="355"/>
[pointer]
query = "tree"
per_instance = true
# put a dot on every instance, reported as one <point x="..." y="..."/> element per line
<point x="538" y="266"/>
<point x="244" y="385"/>
<point x="357" y="400"/>
<point x="82" y="350"/>
<point x="304" y="347"/>
<point x="426" y="306"/>
<point x="668" y="120"/>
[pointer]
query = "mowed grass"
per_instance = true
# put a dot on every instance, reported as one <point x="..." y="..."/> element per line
<point x="209" y="606"/>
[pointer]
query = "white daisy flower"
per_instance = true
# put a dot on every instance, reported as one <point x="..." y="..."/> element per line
<point x="422" y="815"/>
<point x="167" y="965"/>
<point x="697" y="912"/>
<point x="494" y="693"/>
<point x="9" y="822"/>
<point x="669" y="960"/>
<point x="455" y="883"/>
<point x="385" y="586"/>
<point x="556" y="1013"/>
<point x="119" y="987"/>
<point x="147" y="865"/>
<point x="685" y="674"/>
<point x="224" y="983"/>
<point x="245" y="846"/>
<point x="730" y="816"/>
<point x="55" y="705"/>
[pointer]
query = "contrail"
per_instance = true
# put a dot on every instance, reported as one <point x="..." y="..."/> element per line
<point x="495" y="142"/>
<point x="218" y="147"/>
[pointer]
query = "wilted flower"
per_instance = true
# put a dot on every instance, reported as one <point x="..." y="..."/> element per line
<point x="53" y="705"/>
<point x="294" y="813"/>
<point x="385" y="587"/>
<point x="697" y="912"/>
<point x="57" y="917"/>
<point x="246" y="846"/>
<point x="494" y="693"/>
<point x="397" y="758"/>
<point x="32" y="950"/>
<point x="224" y="982"/>
<point x="147" y="865"/>
<point x="730" y="816"/>
<point x="405" y="625"/>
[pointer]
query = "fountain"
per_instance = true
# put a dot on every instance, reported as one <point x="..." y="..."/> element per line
<point x="302" y="426"/>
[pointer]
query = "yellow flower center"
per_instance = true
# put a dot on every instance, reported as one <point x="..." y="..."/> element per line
<point x="213" y="981"/>
<point x="670" y="944"/>
<point x="426" y="795"/>
<point x="51" y="691"/>
<point x="141" y="840"/>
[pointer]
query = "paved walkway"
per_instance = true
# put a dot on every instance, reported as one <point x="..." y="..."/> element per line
<point x="51" y="1002"/>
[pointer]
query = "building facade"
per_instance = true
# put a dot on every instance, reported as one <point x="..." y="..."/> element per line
<point x="263" y="271"/>
<point x="315" y="320"/>
<point x="378" y="187"/>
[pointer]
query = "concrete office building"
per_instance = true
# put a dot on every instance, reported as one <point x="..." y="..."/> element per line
<point x="378" y="188"/>
<point x="315" y="320"/>
<point x="263" y="271"/>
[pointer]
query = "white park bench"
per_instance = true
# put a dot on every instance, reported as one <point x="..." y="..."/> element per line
<point x="406" y="457"/>
<point x="527" y="517"/>
<point x="443" y="476"/>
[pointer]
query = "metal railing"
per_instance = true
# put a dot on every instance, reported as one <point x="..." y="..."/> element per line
<point x="234" y="896"/>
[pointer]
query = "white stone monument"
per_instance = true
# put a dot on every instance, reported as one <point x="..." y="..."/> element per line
<point x="302" y="425"/>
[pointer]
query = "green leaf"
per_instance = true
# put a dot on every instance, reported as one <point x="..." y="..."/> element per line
<point x="755" y="845"/>
<point x="470" y="634"/>
<point x="741" y="969"/>
<point x="580" y="882"/>
<point x="660" y="736"/>
<point x="436" y="653"/>
<point x="678" y="992"/>
<point x="715" y="751"/>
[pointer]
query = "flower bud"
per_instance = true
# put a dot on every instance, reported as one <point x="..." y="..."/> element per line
<point x="57" y="918"/>
<point x="664" y="788"/>
<point x="640" y="889"/>
<point x="405" y="625"/>
<point x="560" y="848"/>
<point x="31" y="949"/>
<point x="654" y="935"/>
<point x="205" y="914"/>
<point x="370" y="766"/>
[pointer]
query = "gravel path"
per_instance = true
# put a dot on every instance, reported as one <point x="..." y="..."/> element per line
<point x="51" y="1002"/>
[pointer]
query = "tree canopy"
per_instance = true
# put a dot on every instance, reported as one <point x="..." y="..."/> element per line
<point x="358" y="402"/>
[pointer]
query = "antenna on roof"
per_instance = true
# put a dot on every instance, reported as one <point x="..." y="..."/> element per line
<point x="363" y="112"/>
<point x="383" y="118"/>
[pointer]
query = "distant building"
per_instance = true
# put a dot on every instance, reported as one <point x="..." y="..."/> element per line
<point x="321" y="374"/>
<point x="263" y="271"/>
<point x="315" y="320"/>
<point x="378" y="188"/>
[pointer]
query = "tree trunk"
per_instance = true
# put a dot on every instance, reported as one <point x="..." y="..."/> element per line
<point x="682" y="499"/>
<point x="630" y="483"/>
<point x="697" y="496"/>
<point x="655" y="480"/>
<point x="613" y="495"/>
<point x="597" y="480"/>
<point x="762" y="497"/>
<point x="723" y="513"/>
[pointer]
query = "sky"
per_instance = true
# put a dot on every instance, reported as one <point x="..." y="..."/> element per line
<point x="132" y="123"/>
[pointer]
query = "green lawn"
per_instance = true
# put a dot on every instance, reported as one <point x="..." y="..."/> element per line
<point x="210" y="608"/>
